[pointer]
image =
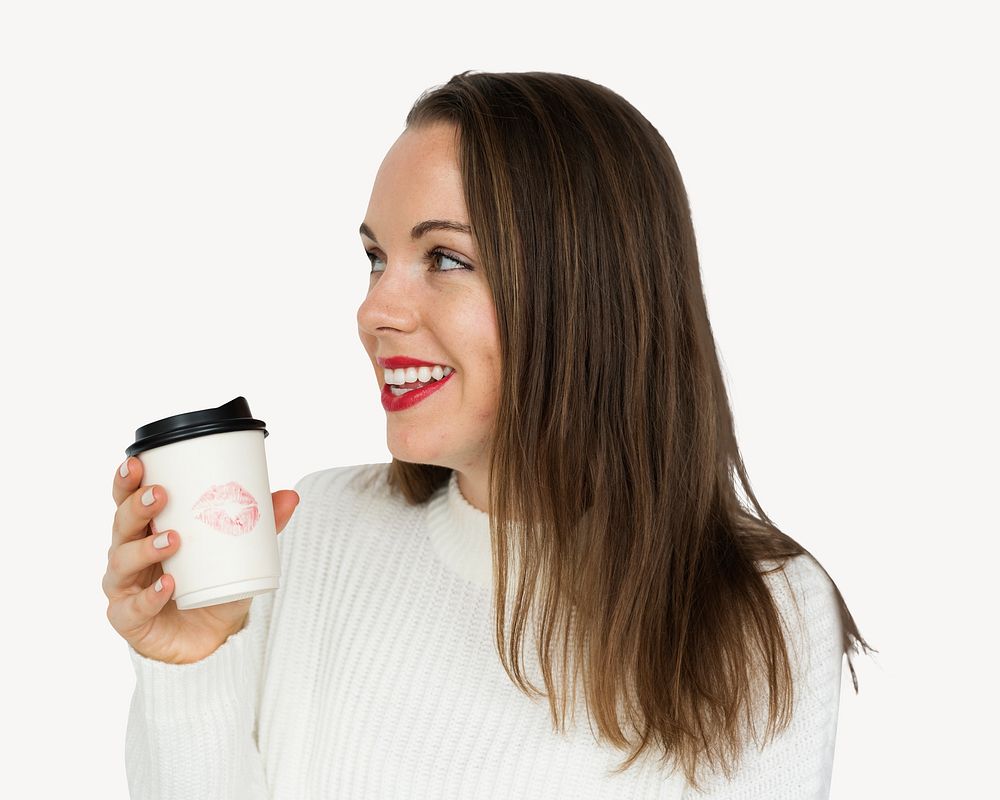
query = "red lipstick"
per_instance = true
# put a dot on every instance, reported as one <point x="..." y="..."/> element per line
<point x="402" y="362"/>
<point x="228" y="508"/>
<point x="392" y="403"/>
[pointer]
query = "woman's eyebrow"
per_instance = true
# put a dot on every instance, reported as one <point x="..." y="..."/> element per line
<point x="422" y="227"/>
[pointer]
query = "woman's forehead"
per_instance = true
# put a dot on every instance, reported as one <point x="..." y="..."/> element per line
<point x="419" y="180"/>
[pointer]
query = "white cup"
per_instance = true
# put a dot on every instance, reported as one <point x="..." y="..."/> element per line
<point x="214" y="469"/>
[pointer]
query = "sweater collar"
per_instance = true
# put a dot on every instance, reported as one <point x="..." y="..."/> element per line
<point x="460" y="534"/>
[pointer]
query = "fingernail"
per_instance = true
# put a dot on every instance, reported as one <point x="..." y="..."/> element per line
<point x="158" y="585"/>
<point x="148" y="498"/>
<point x="161" y="541"/>
<point x="123" y="470"/>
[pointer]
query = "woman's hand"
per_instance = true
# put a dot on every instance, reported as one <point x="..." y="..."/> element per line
<point x="143" y="616"/>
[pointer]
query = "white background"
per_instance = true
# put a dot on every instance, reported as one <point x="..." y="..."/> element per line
<point x="181" y="186"/>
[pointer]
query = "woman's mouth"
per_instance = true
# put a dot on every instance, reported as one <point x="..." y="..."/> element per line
<point x="397" y="398"/>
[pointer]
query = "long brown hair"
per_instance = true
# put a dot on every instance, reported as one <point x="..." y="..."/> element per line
<point x="612" y="491"/>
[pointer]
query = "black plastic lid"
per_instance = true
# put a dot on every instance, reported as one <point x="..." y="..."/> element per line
<point x="233" y="416"/>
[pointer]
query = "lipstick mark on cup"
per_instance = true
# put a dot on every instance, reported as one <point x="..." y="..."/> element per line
<point x="228" y="508"/>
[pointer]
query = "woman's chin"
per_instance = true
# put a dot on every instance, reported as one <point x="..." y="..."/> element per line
<point x="414" y="449"/>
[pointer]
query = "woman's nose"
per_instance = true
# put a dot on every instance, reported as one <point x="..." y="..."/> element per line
<point x="391" y="303"/>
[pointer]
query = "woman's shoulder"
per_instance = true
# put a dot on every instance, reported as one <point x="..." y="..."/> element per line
<point x="797" y="579"/>
<point x="335" y="481"/>
<point x="329" y="499"/>
<point x="331" y="495"/>
<point x="807" y="601"/>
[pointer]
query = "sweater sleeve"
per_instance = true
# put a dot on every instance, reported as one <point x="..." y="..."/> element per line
<point x="797" y="764"/>
<point x="192" y="728"/>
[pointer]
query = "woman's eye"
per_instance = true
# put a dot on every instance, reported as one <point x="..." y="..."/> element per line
<point x="372" y="258"/>
<point x="436" y="254"/>
<point x="435" y="258"/>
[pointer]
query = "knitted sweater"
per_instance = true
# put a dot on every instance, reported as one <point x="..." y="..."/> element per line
<point x="372" y="673"/>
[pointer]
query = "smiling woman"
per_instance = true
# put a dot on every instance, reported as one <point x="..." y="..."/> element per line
<point x="560" y="518"/>
<point x="430" y="303"/>
<point x="607" y="462"/>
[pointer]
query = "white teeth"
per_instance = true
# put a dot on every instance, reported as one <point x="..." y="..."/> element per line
<point x="399" y="377"/>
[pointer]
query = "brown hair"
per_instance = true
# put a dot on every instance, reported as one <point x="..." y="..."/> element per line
<point x="613" y="451"/>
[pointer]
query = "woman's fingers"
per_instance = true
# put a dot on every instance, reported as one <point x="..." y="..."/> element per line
<point x="135" y="513"/>
<point x="124" y="485"/>
<point x="129" y="559"/>
<point x="285" y="502"/>
<point x="130" y="613"/>
<point x="131" y="549"/>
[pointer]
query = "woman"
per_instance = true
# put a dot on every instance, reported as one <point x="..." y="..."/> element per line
<point x="569" y="469"/>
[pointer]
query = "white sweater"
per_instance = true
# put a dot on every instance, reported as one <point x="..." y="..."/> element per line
<point x="371" y="673"/>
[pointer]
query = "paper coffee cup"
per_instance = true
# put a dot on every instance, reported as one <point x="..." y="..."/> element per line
<point x="213" y="467"/>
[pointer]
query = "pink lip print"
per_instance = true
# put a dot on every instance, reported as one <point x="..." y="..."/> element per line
<point x="228" y="508"/>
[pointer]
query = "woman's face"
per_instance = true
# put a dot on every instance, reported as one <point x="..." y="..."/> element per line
<point x="422" y="304"/>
